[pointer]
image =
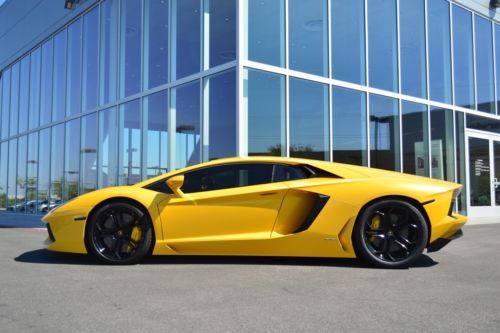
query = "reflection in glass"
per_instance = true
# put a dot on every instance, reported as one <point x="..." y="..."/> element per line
<point x="74" y="54"/>
<point x="108" y="148"/>
<point x="349" y="126"/>
<point x="21" y="174"/>
<point x="309" y="128"/>
<point x="438" y="12"/>
<point x="308" y="36"/>
<point x="4" y="126"/>
<point x="415" y="139"/>
<point x="155" y="113"/>
<point x="463" y="56"/>
<point x="34" y="100"/>
<point x="11" y="178"/>
<point x="46" y="82"/>
<point x="14" y="99"/>
<point x="266" y="31"/>
<point x="44" y="166"/>
<point x="384" y="133"/>
<point x="265" y="104"/>
<point x="460" y="155"/>
<point x="156" y="43"/>
<point x="412" y="44"/>
<point x="484" y="65"/>
<point x="59" y="91"/>
<point x="71" y="159"/>
<point x="32" y="173"/>
<point x="88" y="154"/>
<point x="90" y="59"/>
<point x="222" y="27"/>
<point x="130" y="42"/>
<point x="108" y="51"/>
<point x="382" y="41"/>
<point x="483" y="123"/>
<point x="130" y="143"/>
<point x="442" y="147"/>
<point x="222" y="115"/>
<point x="4" y="158"/>
<point x="24" y="88"/>
<point x="348" y="40"/>
<point x="479" y="172"/>
<point x="185" y="109"/>
<point x="186" y="43"/>
<point x="57" y="163"/>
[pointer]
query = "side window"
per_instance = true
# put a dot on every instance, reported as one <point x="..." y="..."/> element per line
<point x="283" y="173"/>
<point x="227" y="176"/>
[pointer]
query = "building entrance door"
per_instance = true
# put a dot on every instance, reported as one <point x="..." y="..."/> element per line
<point x="483" y="175"/>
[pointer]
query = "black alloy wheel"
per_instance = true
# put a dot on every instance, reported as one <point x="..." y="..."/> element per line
<point x="390" y="234"/>
<point x="119" y="233"/>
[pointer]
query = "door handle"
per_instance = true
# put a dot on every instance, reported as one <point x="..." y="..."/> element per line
<point x="496" y="183"/>
<point x="268" y="193"/>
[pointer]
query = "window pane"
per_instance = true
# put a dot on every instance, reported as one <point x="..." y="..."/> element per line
<point x="59" y="91"/>
<point x="222" y="25"/>
<point x="483" y="123"/>
<point x="266" y="113"/>
<point x="90" y="59"/>
<point x="14" y="99"/>
<point x="12" y="177"/>
<point x="382" y="41"/>
<point x="348" y="40"/>
<point x="44" y="167"/>
<point x="5" y="104"/>
<point x="308" y="31"/>
<point x="442" y="153"/>
<point x="412" y="41"/>
<point x="484" y="65"/>
<point x="88" y="159"/>
<point x="109" y="51"/>
<point x="186" y="112"/>
<point x="497" y="58"/>
<point x="46" y="82"/>
<point x="34" y="100"/>
<point x="415" y="139"/>
<point x="283" y="173"/>
<point x="460" y="155"/>
<point x="130" y="41"/>
<point x="32" y="173"/>
<point x="227" y="176"/>
<point x="108" y="148"/>
<point x="462" y="51"/>
<point x="73" y="101"/>
<point x="349" y="126"/>
<point x="24" y="88"/>
<point x="309" y="129"/>
<point x="384" y="133"/>
<point x="21" y="173"/>
<point x="156" y="134"/>
<point x="186" y="44"/>
<point x="72" y="159"/>
<point x="4" y="159"/>
<point x="57" y="162"/>
<point x="130" y="143"/>
<point x="222" y="115"/>
<point x="156" y="43"/>
<point x="266" y="31"/>
<point x="439" y="50"/>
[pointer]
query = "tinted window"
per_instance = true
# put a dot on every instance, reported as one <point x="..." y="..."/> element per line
<point x="283" y="173"/>
<point x="227" y="176"/>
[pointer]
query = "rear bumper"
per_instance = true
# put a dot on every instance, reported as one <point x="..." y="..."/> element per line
<point x="439" y="243"/>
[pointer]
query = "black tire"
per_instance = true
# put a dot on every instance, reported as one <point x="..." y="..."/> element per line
<point x="119" y="233"/>
<point x="390" y="234"/>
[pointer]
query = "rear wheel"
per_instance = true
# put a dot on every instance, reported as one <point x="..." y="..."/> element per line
<point x="390" y="234"/>
<point x="119" y="233"/>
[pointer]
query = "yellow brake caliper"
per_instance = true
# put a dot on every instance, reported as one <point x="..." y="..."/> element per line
<point x="135" y="235"/>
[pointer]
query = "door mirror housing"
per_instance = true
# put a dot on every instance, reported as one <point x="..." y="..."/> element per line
<point x="175" y="183"/>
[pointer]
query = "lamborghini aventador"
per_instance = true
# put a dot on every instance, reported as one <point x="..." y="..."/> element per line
<point x="263" y="206"/>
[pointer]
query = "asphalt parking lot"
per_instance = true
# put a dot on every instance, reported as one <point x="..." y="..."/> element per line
<point x="457" y="289"/>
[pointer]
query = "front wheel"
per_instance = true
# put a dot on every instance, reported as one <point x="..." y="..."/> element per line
<point x="119" y="233"/>
<point x="390" y="234"/>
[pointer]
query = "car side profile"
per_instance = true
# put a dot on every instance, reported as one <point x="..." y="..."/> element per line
<point x="263" y="206"/>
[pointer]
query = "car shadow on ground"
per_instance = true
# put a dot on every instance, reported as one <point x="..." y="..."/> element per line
<point x="43" y="256"/>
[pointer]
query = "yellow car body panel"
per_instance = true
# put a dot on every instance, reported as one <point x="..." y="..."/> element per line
<point x="263" y="219"/>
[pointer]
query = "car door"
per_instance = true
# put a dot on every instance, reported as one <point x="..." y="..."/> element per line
<point x="224" y="206"/>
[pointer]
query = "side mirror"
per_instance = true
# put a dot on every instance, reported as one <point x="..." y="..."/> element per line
<point x="175" y="184"/>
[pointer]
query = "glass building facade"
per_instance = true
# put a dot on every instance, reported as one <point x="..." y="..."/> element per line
<point x="130" y="89"/>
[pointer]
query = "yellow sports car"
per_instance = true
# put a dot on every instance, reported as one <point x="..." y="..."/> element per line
<point x="263" y="206"/>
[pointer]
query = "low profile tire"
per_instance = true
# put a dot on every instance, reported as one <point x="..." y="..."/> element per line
<point x="119" y="233"/>
<point x="390" y="234"/>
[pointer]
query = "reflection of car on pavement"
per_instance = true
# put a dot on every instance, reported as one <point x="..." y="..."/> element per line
<point x="263" y="206"/>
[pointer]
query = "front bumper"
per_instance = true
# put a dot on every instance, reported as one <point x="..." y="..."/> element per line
<point x="65" y="233"/>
